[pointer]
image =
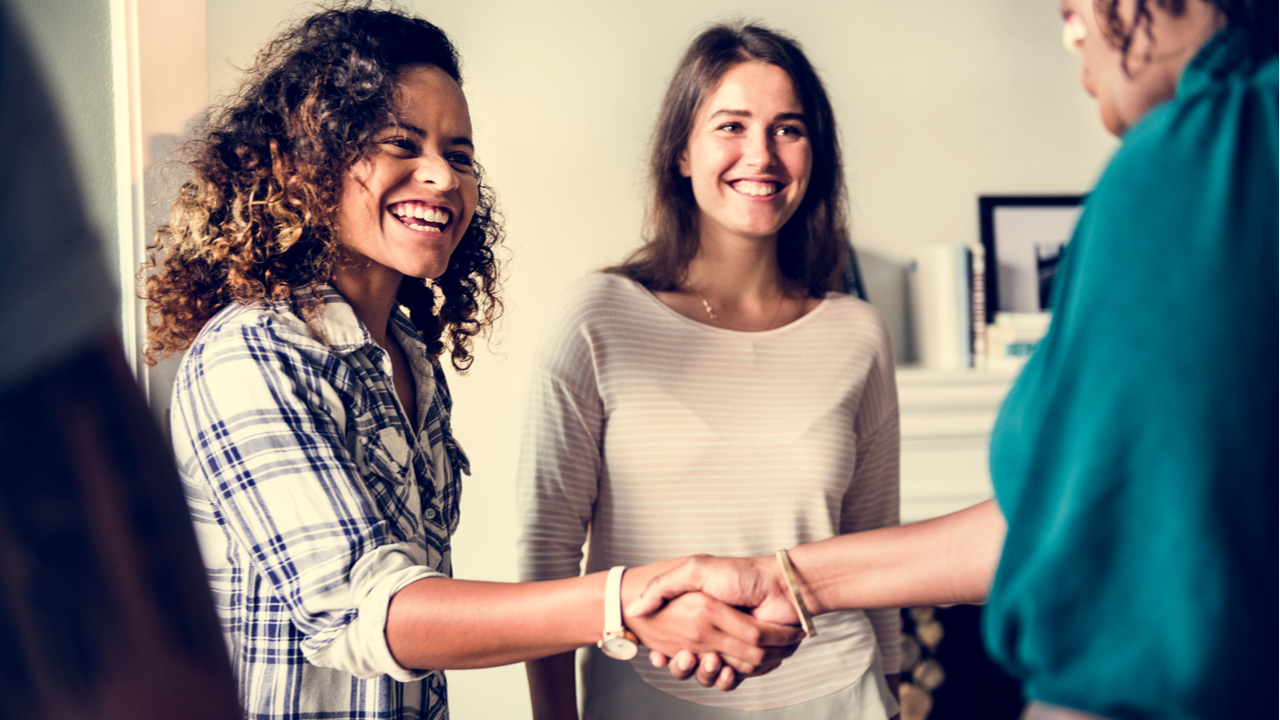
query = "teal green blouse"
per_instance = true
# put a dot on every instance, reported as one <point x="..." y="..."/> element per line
<point x="1134" y="457"/>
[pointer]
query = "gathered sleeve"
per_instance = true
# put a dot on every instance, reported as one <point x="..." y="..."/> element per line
<point x="325" y="515"/>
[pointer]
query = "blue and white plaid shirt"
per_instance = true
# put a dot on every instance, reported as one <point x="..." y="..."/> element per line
<point x="314" y="502"/>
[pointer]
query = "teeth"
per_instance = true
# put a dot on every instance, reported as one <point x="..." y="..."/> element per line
<point x="756" y="189"/>
<point x="418" y="211"/>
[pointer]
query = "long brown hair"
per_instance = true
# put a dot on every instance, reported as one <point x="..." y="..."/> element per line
<point x="810" y="245"/>
<point x="256" y="221"/>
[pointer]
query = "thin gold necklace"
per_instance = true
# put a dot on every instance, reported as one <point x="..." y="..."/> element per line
<point x="710" y="313"/>
<point x="716" y="318"/>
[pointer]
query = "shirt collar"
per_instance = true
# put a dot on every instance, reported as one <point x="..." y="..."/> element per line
<point x="344" y="333"/>
<point x="335" y="320"/>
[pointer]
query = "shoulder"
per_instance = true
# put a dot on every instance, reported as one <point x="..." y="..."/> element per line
<point x="273" y="324"/>
<point x="848" y="315"/>
<point x="1194" y="182"/>
<point x="242" y="337"/>
<point x="593" y="315"/>
<point x="598" y="303"/>
<point x="1217" y="126"/>
<point x="598" y="293"/>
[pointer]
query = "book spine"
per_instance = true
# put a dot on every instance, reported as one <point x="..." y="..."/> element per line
<point x="963" y="306"/>
<point x="978" y="295"/>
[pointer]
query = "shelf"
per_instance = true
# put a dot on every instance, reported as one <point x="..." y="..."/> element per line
<point x="946" y="418"/>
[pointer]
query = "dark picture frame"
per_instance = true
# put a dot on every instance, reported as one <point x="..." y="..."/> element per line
<point x="1021" y="238"/>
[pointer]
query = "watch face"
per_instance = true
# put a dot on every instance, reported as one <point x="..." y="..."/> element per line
<point x="619" y="648"/>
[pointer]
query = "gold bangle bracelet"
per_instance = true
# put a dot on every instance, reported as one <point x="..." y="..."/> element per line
<point x="806" y="619"/>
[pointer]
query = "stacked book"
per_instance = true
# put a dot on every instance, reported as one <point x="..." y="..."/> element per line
<point x="948" y="309"/>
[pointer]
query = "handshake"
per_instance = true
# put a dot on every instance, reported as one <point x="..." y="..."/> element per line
<point x="725" y="619"/>
<point x="730" y="618"/>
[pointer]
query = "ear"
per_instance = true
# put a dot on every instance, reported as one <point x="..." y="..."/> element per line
<point x="683" y="162"/>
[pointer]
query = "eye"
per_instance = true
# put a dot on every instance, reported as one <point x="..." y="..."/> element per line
<point x="461" y="160"/>
<point x="789" y="131"/>
<point x="731" y="127"/>
<point x="400" y="146"/>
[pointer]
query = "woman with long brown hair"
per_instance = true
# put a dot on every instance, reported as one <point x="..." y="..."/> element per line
<point x="335" y="239"/>
<point x="716" y="393"/>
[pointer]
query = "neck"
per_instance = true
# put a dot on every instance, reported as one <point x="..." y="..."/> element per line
<point x="736" y="269"/>
<point x="372" y="296"/>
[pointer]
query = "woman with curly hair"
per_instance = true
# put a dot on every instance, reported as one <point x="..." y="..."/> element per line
<point x="717" y="392"/>
<point x="335" y="239"/>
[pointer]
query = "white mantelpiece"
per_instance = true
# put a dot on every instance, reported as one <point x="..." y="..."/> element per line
<point x="946" y="419"/>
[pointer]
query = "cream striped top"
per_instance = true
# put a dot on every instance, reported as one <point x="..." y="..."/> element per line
<point x="667" y="437"/>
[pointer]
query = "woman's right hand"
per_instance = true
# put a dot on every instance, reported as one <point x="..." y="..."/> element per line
<point x="755" y="583"/>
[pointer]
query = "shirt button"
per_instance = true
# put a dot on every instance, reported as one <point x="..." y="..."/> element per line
<point x="431" y="513"/>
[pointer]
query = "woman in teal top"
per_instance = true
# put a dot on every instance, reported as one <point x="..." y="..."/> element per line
<point x="1133" y="457"/>
<point x="1132" y="461"/>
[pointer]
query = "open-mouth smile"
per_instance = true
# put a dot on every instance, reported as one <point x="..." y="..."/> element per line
<point x="421" y="217"/>
<point x="756" y="188"/>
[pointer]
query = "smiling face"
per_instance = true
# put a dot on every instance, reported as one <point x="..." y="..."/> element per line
<point x="748" y="156"/>
<point x="407" y="203"/>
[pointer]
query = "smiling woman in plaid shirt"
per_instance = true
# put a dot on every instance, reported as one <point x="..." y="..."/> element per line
<point x="335" y="238"/>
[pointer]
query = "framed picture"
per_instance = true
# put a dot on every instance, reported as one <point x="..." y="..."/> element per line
<point x="1022" y="236"/>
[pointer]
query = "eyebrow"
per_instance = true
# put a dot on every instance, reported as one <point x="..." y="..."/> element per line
<point x="414" y="129"/>
<point x="747" y="113"/>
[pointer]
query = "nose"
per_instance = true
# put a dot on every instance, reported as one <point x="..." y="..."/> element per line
<point x="435" y="170"/>
<point x="758" y="151"/>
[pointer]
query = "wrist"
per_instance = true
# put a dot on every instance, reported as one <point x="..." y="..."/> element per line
<point x="616" y="641"/>
<point x="802" y="566"/>
<point x="794" y="596"/>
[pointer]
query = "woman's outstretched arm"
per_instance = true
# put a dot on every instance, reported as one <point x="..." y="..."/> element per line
<point x="942" y="561"/>
<point x="441" y="623"/>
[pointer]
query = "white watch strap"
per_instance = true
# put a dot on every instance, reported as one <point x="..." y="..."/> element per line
<point x="613" y="600"/>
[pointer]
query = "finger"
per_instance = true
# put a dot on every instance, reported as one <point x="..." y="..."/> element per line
<point x="708" y="670"/>
<point x="746" y="657"/>
<point x="673" y="583"/>
<point x="775" y="656"/>
<point x="682" y="665"/>
<point x="728" y="679"/>
<point x="657" y="659"/>
<point x="774" y="635"/>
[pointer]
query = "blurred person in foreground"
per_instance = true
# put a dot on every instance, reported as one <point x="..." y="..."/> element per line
<point x="1131" y="546"/>
<point x="104" y="612"/>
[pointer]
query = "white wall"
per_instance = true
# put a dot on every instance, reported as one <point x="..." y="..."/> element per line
<point x="938" y="102"/>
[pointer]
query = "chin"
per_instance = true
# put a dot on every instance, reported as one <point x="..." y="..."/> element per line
<point x="427" y="268"/>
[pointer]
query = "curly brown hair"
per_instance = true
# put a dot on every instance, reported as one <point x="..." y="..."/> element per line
<point x="256" y="221"/>
<point x="811" y="244"/>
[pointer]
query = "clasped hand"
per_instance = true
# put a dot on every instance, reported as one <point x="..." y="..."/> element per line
<point x="736" y="646"/>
